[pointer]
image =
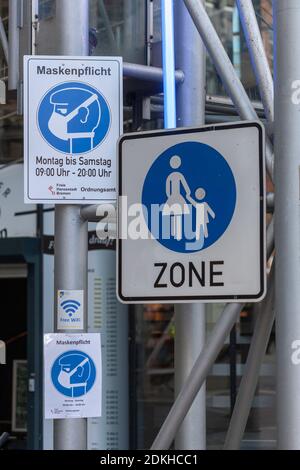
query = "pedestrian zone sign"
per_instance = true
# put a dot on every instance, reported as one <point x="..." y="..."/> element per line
<point x="191" y="222"/>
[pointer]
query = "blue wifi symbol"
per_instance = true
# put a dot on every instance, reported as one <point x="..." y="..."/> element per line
<point x="70" y="306"/>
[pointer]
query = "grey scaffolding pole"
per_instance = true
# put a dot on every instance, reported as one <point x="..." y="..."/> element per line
<point x="196" y="377"/>
<point x="287" y="229"/>
<point x="189" y="318"/>
<point x="71" y="230"/>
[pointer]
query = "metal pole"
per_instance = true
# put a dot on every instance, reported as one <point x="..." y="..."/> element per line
<point x="73" y="27"/>
<point x="262" y="331"/>
<point x="189" y="318"/>
<point x="129" y="27"/>
<point x="4" y="41"/>
<point x="71" y="230"/>
<point x="202" y="366"/>
<point x="258" y="56"/>
<point x="287" y="228"/>
<point x="225" y="69"/>
<point x="13" y="45"/>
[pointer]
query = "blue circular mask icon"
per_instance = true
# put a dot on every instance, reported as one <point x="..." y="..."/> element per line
<point x="73" y="373"/>
<point x="189" y="197"/>
<point x="73" y="117"/>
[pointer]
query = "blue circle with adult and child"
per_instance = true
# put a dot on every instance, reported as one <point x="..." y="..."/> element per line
<point x="189" y="197"/>
<point x="73" y="117"/>
<point x="73" y="373"/>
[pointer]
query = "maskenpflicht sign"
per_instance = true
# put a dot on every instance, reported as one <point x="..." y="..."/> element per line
<point x="191" y="215"/>
<point x="72" y="120"/>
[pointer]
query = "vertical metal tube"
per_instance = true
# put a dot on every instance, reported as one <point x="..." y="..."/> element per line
<point x="128" y="43"/>
<point x="287" y="223"/>
<point x="189" y="318"/>
<point x="71" y="231"/>
<point x="13" y="45"/>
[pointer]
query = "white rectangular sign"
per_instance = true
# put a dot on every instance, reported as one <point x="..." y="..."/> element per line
<point x="72" y="119"/>
<point x="192" y="215"/>
<point x="72" y="375"/>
